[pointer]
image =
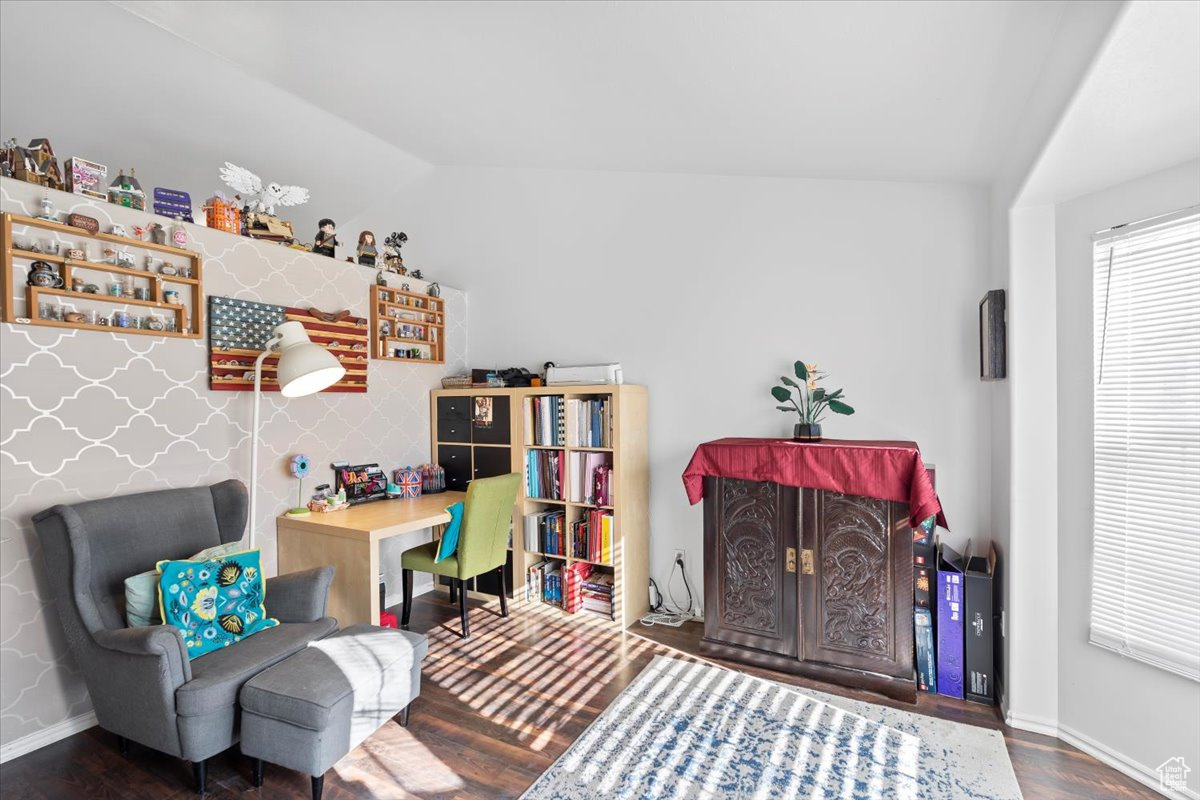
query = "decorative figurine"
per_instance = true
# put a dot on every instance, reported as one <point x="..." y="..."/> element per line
<point x="33" y="164"/>
<point x="126" y="191"/>
<point x="404" y="287"/>
<point x="117" y="230"/>
<point x="89" y="224"/>
<point x="299" y="466"/>
<point x="391" y="253"/>
<point x="379" y="279"/>
<point x="47" y="209"/>
<point x="416" y="273"/>
<point x="326" y="238"/>
<point x="76" y="254"/>
<point x="260" y="196"/>
<point x="366" y="249"/>
<point x="223" y="214"/>
<point x="434" y="290"/>
<point x="86" y="178"/>
<point x="179" y="236"/>
<point x="158" y="234"/>
<point x="172" y="203"/>
<point x="44" y="276"/>
<point x="385" y="329"/>
<point x="140" y="231"/>
<point x="8" y="157"/>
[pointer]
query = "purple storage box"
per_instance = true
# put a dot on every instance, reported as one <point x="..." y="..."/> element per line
<point x="950" y="610"/>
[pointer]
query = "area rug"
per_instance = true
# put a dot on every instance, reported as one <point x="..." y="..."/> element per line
<point x="686" y="729"/>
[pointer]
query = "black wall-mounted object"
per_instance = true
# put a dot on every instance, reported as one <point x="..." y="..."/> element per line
<point x="993" y="337"/>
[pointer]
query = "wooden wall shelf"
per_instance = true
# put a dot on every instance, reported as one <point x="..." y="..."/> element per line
<point x="395" y="308"/>
<point x="187" y="327"/>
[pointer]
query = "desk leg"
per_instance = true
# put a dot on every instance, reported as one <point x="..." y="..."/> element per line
<point x="354" y="595"/>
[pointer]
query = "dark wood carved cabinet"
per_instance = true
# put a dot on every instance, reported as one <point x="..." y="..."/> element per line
<point x="811" y="582"/>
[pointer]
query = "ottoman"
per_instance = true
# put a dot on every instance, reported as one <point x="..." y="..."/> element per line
<point x="309" y="710"/>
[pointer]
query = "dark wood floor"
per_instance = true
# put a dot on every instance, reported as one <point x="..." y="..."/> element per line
<point x="494" y="713"/>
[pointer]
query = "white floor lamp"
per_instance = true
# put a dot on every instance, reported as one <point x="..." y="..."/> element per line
<point x="304" y="368"/>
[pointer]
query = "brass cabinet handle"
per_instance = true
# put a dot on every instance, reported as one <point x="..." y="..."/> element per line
<point x="791" y="559"/>
<point x="806" y="560"/>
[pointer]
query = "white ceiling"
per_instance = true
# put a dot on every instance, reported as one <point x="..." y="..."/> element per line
<point x="1136" y="112"/>
<point x="924" y="91"/>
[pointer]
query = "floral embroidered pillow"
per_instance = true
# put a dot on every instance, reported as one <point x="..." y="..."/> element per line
<point x="214" y="602"/>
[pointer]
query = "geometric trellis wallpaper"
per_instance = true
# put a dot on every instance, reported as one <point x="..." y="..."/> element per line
<point x="87" y="414"/>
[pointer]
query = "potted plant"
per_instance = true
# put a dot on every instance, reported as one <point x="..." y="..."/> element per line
<point x="808" y="400"/>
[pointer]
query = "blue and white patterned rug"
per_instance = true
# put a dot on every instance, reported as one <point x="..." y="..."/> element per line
<point x="684" y="729"/>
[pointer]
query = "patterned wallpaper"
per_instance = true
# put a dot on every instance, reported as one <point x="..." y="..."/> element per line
<point x="89" y="414"/>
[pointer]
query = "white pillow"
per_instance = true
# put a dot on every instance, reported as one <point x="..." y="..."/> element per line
<point x="141" y="590"/>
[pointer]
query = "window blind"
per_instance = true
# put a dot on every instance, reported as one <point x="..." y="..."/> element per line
<point x="1146" y="554"/>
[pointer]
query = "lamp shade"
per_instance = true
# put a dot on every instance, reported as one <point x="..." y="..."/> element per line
<point x="304" y="368"/>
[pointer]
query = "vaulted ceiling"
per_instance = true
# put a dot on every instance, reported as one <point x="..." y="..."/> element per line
<point x="918" y="91"/>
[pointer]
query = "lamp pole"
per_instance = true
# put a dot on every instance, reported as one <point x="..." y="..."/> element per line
<point x="272" y="343"/>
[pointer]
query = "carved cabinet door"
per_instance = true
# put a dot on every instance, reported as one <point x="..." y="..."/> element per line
<point x="749" y="590"/>
<point x="857" y="598"/>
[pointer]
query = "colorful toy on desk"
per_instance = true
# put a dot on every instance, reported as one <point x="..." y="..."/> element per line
<point x="409" y="481"/>
<point x="323" y="501"/>
<point x="394" y="490"/>
<point x="300" y="468"/>
<point x="433" y="479"/>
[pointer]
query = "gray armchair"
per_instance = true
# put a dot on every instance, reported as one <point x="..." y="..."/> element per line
<point x="142" y="685"/>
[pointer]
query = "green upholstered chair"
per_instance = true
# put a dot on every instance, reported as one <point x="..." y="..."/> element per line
<point x="482" y="544"/>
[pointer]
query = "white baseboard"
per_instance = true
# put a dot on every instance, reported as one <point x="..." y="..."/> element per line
<point x="1121" y="763"/>
<point x="48" y="735"/>
<point x="1026" y="722"/>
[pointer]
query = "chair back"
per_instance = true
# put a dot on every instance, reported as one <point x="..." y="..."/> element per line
<point x="91" y="548"/>
<point x="487" y="519"/>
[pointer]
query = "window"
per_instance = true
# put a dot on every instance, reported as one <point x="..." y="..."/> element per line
<point x="1146" y="558"/>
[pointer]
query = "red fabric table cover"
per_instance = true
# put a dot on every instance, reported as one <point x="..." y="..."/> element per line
<point x="885" y="470"/>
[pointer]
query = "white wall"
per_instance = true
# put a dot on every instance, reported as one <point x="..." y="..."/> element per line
<point x="708" y="288"/>
<point x="1032" y="638"/>
<point x="1142" y="714"/>
<point x="1080" y="33"/>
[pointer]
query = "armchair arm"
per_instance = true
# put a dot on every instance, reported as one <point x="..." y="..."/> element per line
<point x="132" y="676"/>
<point x="299" y="596"/>
<point x="163" y="643"/>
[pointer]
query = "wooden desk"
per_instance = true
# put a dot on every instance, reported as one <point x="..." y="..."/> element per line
<point x="349" y="541"/>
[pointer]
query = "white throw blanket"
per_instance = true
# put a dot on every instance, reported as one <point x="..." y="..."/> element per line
<point x="379" y="668"/>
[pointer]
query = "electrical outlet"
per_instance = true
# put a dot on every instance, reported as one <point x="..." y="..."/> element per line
<point x="678" y="559"/>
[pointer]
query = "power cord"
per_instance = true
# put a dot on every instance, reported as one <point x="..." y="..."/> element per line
<point x="664" y="614"/>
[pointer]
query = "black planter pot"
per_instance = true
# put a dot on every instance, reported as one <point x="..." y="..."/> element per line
<point x="806" y="433"/>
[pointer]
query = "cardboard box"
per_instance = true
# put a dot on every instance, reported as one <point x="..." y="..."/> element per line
<point x="923" y="638"/>
<point x="950" y="614"/>
<point x="924" y="587"/>
<point x="980" y="664"/>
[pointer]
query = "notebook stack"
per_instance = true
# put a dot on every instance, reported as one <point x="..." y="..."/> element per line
<point x="573" y="578"/>
<point x="546" y="420"/>
<point x="596" y="593"/>
<point x="544" y="474"/>
<point x="591" y="536"/>
<point x="592" y="422"/>
<point x="591" y="479"/>
<point x="545" y="532"/>
<point x="544" y="582"/>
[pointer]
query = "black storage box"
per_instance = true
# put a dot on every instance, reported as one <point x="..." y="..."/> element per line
<point x="980" y="678"/>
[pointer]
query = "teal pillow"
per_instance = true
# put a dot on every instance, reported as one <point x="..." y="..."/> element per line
<point x="141" y="590"/>
<point x="214" y="603"/>
<point x="449" y="542"/>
